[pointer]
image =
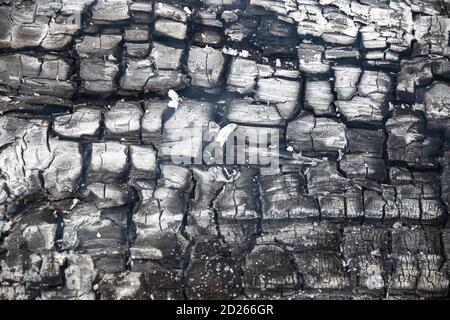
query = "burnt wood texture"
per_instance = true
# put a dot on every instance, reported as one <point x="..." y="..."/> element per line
<point x="95" y="93"/>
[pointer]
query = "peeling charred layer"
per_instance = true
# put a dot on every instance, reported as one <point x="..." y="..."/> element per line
<point x="95" y="94"/>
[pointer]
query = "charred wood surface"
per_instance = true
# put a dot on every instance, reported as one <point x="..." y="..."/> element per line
<point x="95" y="94"/>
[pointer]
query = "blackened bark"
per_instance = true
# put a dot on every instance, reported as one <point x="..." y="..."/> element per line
<point x="95" y="95"/>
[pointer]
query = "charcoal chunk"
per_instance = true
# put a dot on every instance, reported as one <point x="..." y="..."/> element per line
<point x="205" y="66"/>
